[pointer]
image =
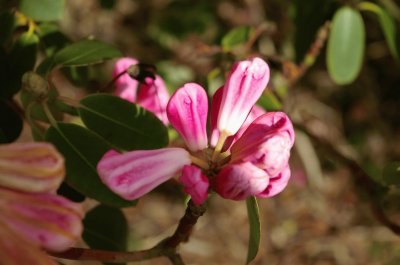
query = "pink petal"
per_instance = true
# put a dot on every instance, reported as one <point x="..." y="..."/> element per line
<point x="32" y="167"/>
<point x="48" y="220"/>
<point x="215" y="106"/>
<point x="17" y="250"/>
<point x="195" y="183"/>
<point x="187" y="112"/>
<point x="240" y="181"/>
<point x="135" y="173"/>
<point x="245" y="84"/>
<point x="125" y="86"/>
<point x="153" y="96"/>
<point x="266" y="143"/>
<point x="276" y="184"/>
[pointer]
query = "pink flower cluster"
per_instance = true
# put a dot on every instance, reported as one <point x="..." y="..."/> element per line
<point x="32" y="216"/>
<point x="245" y="154"/>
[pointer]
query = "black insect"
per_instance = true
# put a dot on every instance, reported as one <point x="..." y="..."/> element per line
<point x="141" y="71"/>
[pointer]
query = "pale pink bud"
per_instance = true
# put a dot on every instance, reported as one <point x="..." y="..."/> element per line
<point x="125" y="86"/>
<point x="31" y="167"/>
<point x="245" y="84"/>
<point x="240" y="181"/>
<point x="187" y="112"/>
<point x="276" y="184"/>
<point x="17" y="250"/>
<point x="135" y="173"/>
<point x="153" y="96"/>
<point x="48" y="220"/>
<point x="266" y="143"/>
<point x="195" y="183"/>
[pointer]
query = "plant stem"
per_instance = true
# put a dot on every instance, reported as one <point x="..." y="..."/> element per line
<point x="166" y="247"/>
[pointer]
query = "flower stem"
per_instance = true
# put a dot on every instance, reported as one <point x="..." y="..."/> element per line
<point x="199" y="162"/>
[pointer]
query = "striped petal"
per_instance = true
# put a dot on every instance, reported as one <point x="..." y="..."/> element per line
<point x="245" y="84"/>
<point x="135" y="173"/>
<point x="187" y="112"/>
<point x="31" y="167"/>
<point x="195" y="183"/>
<point x="276" y="184"/>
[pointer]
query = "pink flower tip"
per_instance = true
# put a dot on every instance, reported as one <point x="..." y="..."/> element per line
<point x="195" y="183"/>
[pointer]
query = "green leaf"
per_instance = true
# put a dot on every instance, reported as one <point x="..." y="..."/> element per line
<point x="387" y="24"/>
<point x="10" y="123"/>
<point x="391" y="174"/>
<point x="346" y="43"/>
<point x="85" y="52"/>
<point x="51" y="38"/>
<point x="105" y="228"/>
<point x="255" y="228"/>
<point x="107" y="4"/>
<point x="235" y="37"/>
<point x="82" y="150"/>
<point x="6" y="25"/>
<point x="123" y="124"/>
<point x="21" y="59"/>
<point x="42" y="10"/>
<point x="269" y="101"/>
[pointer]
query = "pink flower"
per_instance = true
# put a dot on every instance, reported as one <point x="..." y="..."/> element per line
<point x="149" y="94"/>
<point x="32" y="216"/>
<point x="255" y="145"/>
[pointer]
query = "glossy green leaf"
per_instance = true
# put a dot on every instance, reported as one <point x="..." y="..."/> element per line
<point x="10" y="123"/>
<point x="42" y="10"/>
<point x="82" y="150"/>
<point x="85" y="52"/>
<point x="21" y="59"/>
<point x="255" y="228"/>
<point x="387" y="24"/>
<point x="346" y="43"/>
<point x="105" y="228"/>
<point x="391" y="174"/>
<point x="235" y="37"/>
<point x="123" y="124"/>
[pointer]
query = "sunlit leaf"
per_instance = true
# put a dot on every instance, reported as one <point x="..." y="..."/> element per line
<point x="346" y="43"/>
<point x="123" y="124"/>
<point x="82" y="150"/>
<point x="42" y="10"/>
<point x="85" y="52"/>
<point x="106" y="228"/>
<point x="255" y="228"/>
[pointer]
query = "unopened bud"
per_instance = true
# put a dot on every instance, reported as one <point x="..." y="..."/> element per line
<point x="35" y="84"/>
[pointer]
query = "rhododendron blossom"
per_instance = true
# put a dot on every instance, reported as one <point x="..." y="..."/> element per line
<point x="245" y="153"/>
<point x="32" y="216"/>
<point x="151" y="94"/>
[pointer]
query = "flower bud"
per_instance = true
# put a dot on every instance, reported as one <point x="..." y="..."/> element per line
<point x="35" y="84"/>
<point x="195" y="183"/>
<point x="31" y="167"/>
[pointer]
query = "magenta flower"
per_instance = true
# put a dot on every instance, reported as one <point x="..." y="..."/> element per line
<point x="247" y="154"/>
<point x="150" y="94"/>
<point x="32" y="216"/>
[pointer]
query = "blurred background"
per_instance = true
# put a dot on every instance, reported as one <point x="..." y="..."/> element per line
<point x="347" y="137"/>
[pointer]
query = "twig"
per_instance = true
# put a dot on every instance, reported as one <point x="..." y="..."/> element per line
<point x="362" y="179"/>
<point x="166" y="247"/>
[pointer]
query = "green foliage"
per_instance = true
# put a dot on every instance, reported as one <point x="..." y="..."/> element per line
<point x="85" y="52"/>
<point x="42" y="10"/>
<point x="387" y="24"/>
<point x="10" y="123"/>
<point x="391" y="174"/>
<point x="255" y="228"/>
<point x="236" y="38"/>
<point x="82" y="150"/>
<point x="105" y="228"/>
<point x="51" y="38"/>
<point x="345" y="51"/>
<point x="6" y="25"/>
<point x="123" y="124"/>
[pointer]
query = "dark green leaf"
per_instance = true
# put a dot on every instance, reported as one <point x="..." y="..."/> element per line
<point x="82" y="150"/>
<point x="10" y="123"/>
<point x="107" y="4"/>
<point x="85" y="52"/>
<point x="346" y="43"/>
<point x="106" y="228"/>
<point x="255" y="228"/>
<point x="6" y="25"/>
<point x="52" y="38"/>
<point x="42" y="10"/>
<point x="235" y="37"/>
<point x="387" y="24"/>
<point x="123" y="124"/>
<point x="21" y="59"/>
<point x="391" y="174"/>
<point x="67" y="191"/>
